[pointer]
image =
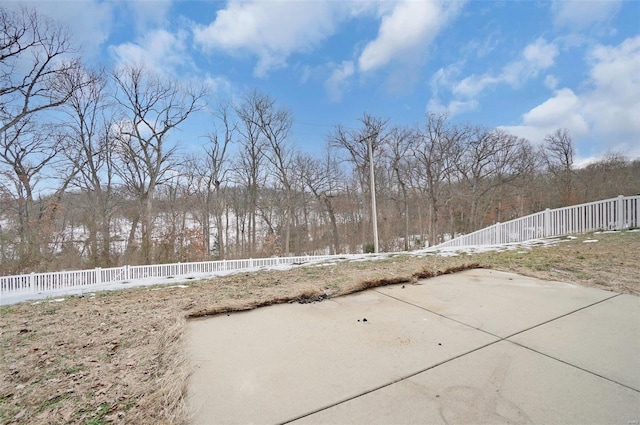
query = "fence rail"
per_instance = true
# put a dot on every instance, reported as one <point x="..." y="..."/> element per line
<point x="618" y="213"/>
<point x="67" y="280"/>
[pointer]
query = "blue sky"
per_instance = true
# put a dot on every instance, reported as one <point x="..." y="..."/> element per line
<point x="527" y="66"/>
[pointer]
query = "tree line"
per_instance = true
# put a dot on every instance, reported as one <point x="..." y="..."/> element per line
<point x="89" y="175"/>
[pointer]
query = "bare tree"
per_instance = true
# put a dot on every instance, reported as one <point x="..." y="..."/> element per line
<point x="559" y="153"/>
<point x="355" y="142"/>
<point x="373" y="132"/>
<point x="527" y="182"/>
<point x="275" y="124"/>
<point x="488" y="162"/>
<point x="610" y="176"/>
<point x="39" y="177"/>
<point x="322" y="177"/>
<point x="34" y="62"/>
<point x="26" y="151"/>
<point x="151" y="107"/>
<point x="216" y="177"/>
<point x="249" y="171"/>
<point x="399" y="157"/>
<point x="178" y="237"/>
<point x="89" y="145"/>
<point x="35" y="65"/>
<point x="438" y="151"/>
<point x="237" y="205"/>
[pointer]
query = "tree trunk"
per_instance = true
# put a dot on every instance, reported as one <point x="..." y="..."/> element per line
<point x="131" y="240"/>
<point x="220" y="230"/>
<point x="334" y="224"/>
<point x="106" y="243"/>
<point x="146" y="229"/>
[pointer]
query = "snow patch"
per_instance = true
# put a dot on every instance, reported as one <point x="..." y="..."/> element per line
<point x="170" y="287"/>
<point x="157" y="281"/>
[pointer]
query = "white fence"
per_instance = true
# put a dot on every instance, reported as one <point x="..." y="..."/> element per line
<point x="611" y="214"/>
<point x="35" y="283"/>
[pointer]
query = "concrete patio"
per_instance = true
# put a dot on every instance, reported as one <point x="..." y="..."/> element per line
<point x="475" y="347"/>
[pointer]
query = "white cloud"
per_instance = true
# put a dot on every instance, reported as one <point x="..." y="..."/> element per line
<point x="148" y="14"/>
<point x="217" y="85"/>
<point x="472" y="86"/>
<point x="605" y="113"/>
<point x="337" y="82"/>
<point x="536" y="57"/>
<point x="561" y="111"/>
<point x="408" y="27"/>
<point x="452" y="108"/>
<point x="551" y="82"/>
<point x="445" y="78"/>
<point x="614" y="99"/>
<point x="580" y="14"/>
<point x="540" y="54"/>
<point x="271" y="30"/>
<point x="90" y="22"/>
<point x="556" y="108"/>
<point x="159" y="51"/>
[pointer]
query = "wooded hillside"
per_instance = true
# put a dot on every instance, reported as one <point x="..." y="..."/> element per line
<point x="91" y="176"/>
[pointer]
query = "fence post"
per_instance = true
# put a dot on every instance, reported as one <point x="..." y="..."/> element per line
<point x="634" y="205"/>
<point x="32" y="282"/>
<point x="126" y="273"/>
<point x="621" y="212"/>
<point x="98" y="271"/>
<point x="547" y="223"/>
<point x="250" y="263"/>
<point x="498" y="233"/>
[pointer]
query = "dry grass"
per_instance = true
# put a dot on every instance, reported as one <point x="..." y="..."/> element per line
<point x="611" y="263"/>
<point x="119" y="357"/>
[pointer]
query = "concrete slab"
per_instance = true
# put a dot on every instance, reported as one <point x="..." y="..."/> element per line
<point x="604" y="339"/>
<point x="501" y="383"/>
<point x="497" y="302"/>
<point x="491" y="348"/>
<point x="277" y="363"/>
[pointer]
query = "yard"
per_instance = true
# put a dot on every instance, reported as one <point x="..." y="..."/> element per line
<point x="117" y="357"/>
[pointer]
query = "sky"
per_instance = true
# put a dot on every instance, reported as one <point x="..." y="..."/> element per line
<point x="529" y="67"/>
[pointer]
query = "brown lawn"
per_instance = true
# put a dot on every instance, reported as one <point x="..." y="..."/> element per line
<point x="118" y="357"/>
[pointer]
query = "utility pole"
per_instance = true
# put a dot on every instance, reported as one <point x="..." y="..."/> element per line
<point x="372" y="184"/>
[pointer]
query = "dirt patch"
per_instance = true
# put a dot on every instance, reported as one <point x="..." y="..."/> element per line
<point x="118" y="357"/>
<point x="413" y="278"/>
<point x="305" y="296"/>
<point x="314" y="294"/>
